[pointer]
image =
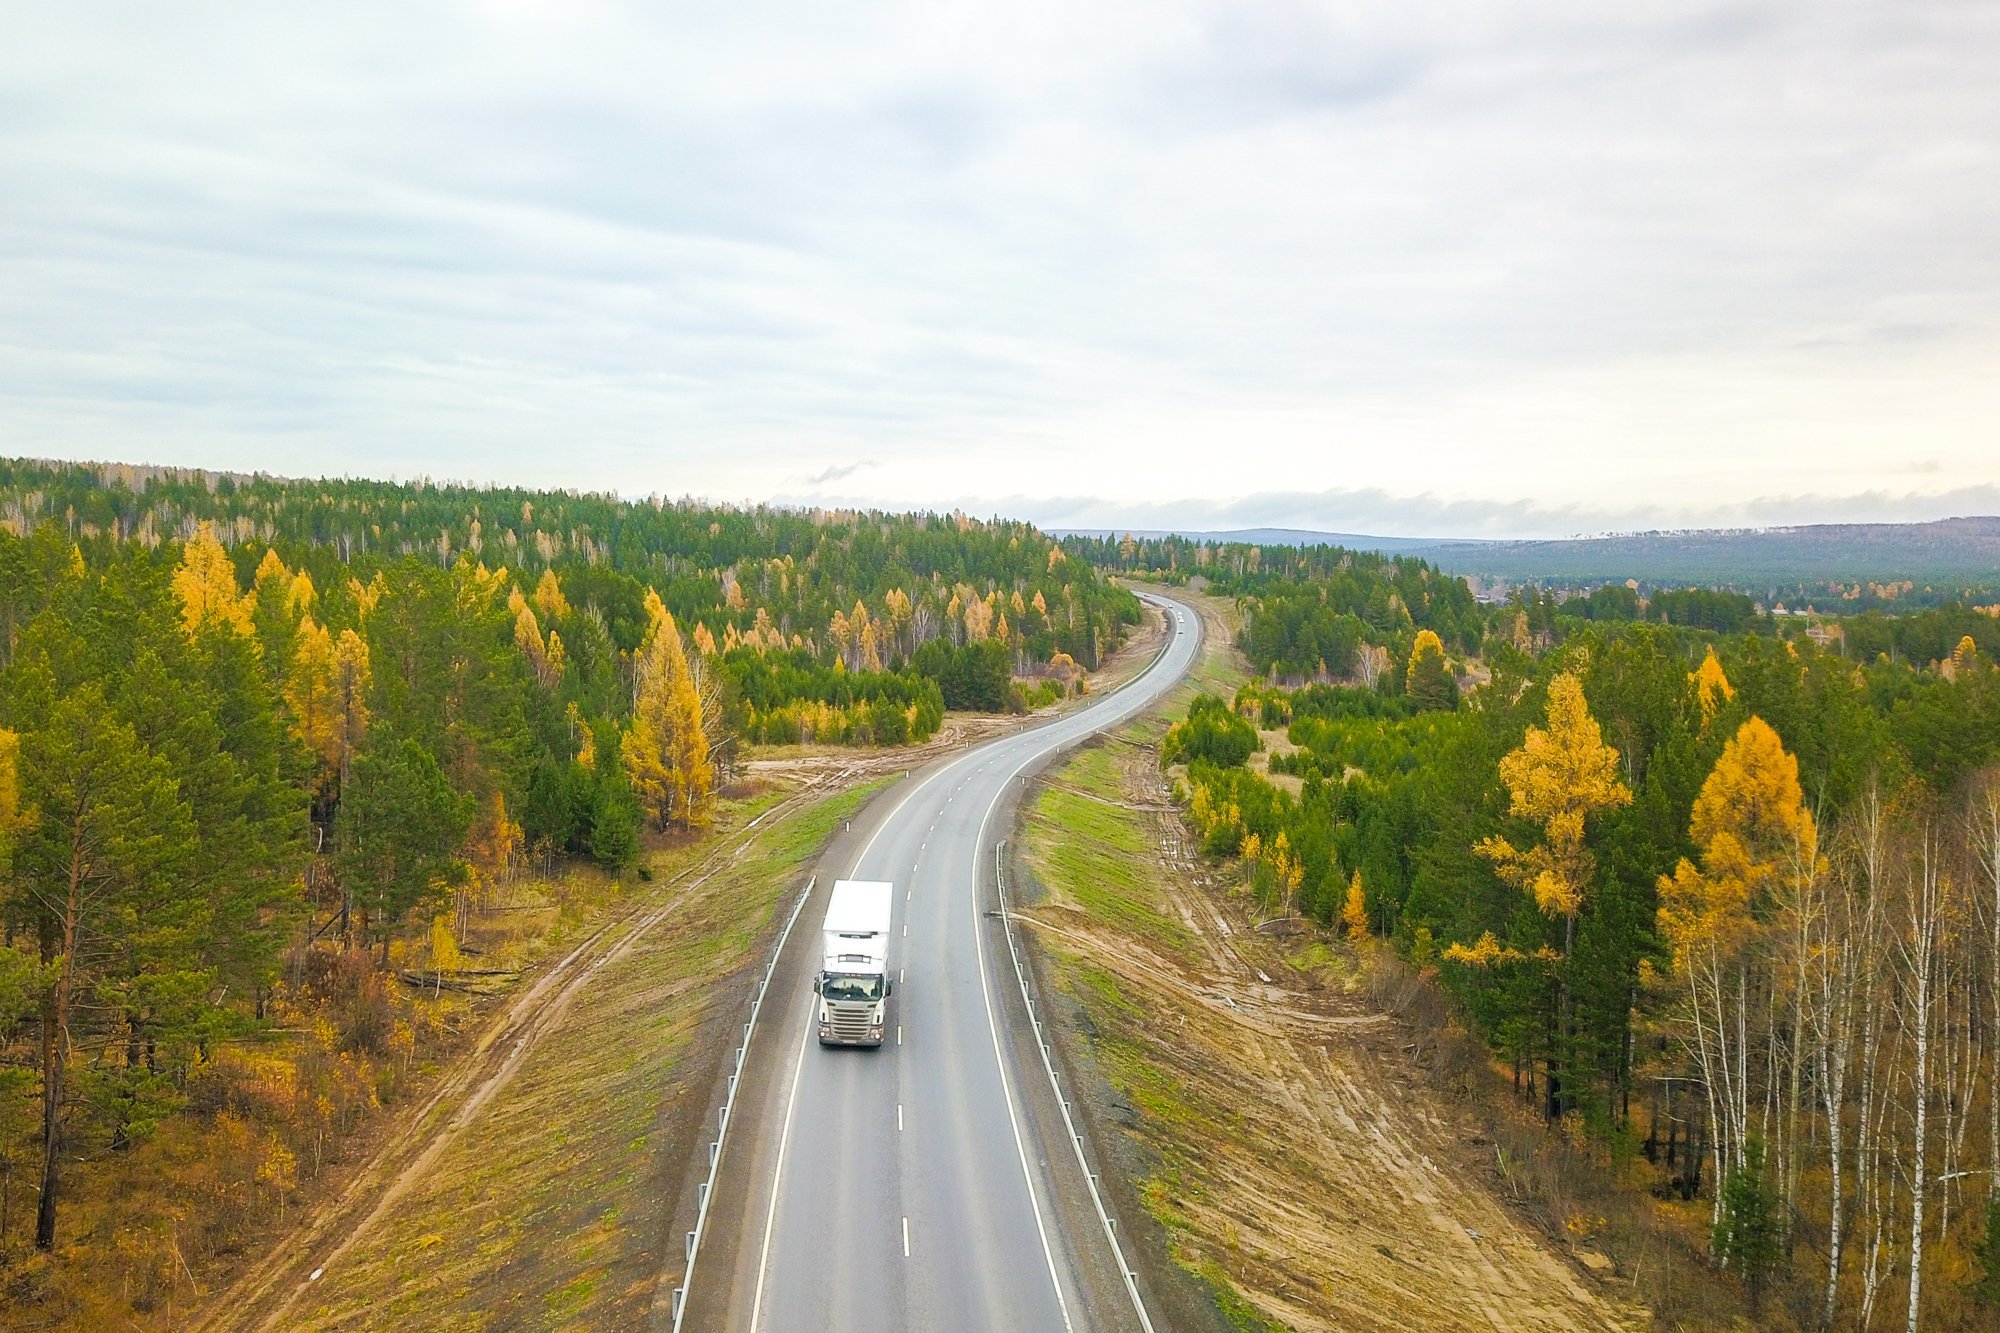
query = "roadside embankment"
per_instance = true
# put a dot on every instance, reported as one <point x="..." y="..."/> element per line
<point x="1268" y="1128"/>
<point x="540" y="1183"/>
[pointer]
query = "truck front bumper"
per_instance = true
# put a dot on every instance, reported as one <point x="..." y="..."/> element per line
<point x="828" y="1037"/>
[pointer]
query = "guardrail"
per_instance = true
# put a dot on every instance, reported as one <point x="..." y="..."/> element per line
<point x="723" y="1116"/>
<point x="1108" y="1222"/>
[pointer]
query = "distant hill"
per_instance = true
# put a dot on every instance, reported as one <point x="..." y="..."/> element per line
<point x="1949" y="551"/>
<point x="1952" y="551"/>
<point x="1353" y="541"/>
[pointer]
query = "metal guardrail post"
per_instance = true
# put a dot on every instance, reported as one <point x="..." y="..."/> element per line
<point x="723" y="1113"/>
<point x="1104" y="1217"/>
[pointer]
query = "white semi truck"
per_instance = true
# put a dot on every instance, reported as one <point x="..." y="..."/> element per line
<point x="853" y="982"/>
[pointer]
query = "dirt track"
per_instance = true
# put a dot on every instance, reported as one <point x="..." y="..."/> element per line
<point x="1292" y="1148"/>
<point x="264" y="1294"/>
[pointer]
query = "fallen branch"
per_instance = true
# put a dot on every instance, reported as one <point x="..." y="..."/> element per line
<point x="456" y="982"/>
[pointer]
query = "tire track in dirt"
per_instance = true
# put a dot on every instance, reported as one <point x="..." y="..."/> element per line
<point x="1333" y="1189"/>
<point x="259" y="1297"/>
<point x="263" y="1294"/>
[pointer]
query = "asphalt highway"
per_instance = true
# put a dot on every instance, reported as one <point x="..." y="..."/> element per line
<point x="902" y="1188"/>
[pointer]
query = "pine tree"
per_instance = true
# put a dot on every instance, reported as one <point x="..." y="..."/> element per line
<point x="1987" y="1289"/>
<point x="1429" y="681"/>
<point x="96" y="861"/>
<point x="613" y="833"/>
<point x="400" y="828"/>
<point x="207" y="709"/>
<point x="1747" y="1234"/>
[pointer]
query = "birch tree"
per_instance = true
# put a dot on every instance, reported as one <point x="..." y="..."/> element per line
<point x="1754" y="834"/>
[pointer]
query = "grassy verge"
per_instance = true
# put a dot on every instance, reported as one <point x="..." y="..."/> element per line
<point x="548" y="1209"/>
<point x="1092" y="851"/>
<point x="1089" y="850"/>
<point x="1088" y="853"/>
<point x="1266" y="1113"/>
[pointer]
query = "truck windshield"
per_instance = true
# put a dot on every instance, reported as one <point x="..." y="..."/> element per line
<point x="852" y="988"/>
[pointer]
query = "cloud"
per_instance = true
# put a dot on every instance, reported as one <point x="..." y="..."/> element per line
<point x="1623" y="260"/>
<point x="839" y="472"/>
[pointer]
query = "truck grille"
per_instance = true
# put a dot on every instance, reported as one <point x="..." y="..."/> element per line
<point x="850" y="1023"/>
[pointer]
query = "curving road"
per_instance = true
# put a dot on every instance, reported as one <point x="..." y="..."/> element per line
<point x="904" y="1188"/>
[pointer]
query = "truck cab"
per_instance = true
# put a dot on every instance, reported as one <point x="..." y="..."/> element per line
<point x="853" y="983"/>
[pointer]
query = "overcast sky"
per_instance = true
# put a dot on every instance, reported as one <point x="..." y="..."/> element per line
<point x="1439" y="269"/>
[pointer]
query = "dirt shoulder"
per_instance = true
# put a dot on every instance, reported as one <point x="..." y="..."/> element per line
<point x="537" y="1182"/>
<point x="1273" y="1141"/>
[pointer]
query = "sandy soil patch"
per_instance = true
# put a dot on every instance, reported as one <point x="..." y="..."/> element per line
<point x="1298" y="1156"/>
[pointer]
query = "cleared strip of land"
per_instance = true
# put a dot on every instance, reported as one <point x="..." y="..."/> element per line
<point x="1262" y="1112"/>
<point x="540" y="1182"/>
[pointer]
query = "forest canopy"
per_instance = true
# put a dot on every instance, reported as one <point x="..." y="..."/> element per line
<point x="1720" y="887"/>
<point x="257" y="736"/>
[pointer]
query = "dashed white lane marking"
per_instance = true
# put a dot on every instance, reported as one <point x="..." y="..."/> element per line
<point x="899" y="1117"/>
<point x="792" y="1100"/>
<point x="1111" y="716"/>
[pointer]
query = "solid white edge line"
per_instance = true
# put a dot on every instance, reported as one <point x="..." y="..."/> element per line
<point x="993" y="1027"/>
<point x="1000" y="1061"/>
<point x="791" y="1103"/>
<point x="729" y="1104"/>
<point x="798" y="1069"/>
<point x="784" y="1142"/>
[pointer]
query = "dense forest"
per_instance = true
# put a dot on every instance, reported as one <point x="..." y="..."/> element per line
<point x="1720" y="891"/>
<point x="266" y="745"/>
<point x="846" y="599"/>
<point x="1862" y="564"/>
<point x="1316" y="612"/>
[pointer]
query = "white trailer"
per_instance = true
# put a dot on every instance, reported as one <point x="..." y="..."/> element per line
<point x="853" y="982"/>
